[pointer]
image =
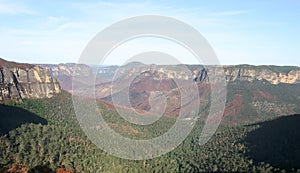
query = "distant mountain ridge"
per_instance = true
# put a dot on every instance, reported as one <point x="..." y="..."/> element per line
<point x="272" y="74"/>
<point x="20" y="80"/>
<point x="244" y="72"/>
<point x="199" y="73"/>
<point x="65" y="73"/>
<point x="105" y="74"/>
<point x="252" y="90"/>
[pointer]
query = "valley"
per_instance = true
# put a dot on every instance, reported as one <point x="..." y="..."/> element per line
<point x="40" y="131"/>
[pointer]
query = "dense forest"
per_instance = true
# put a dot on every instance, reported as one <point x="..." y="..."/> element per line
<point x="50" y="138"/>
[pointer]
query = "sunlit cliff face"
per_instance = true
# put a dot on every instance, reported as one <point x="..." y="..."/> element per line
<point x="273" y="77"/>
<point x="231" y="74"/>
<point x="26" y="81"/>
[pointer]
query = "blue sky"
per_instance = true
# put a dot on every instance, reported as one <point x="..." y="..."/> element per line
<point x="240" y="32"/>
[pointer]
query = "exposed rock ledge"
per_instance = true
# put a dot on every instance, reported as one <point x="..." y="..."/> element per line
<point x="18" y="81"/>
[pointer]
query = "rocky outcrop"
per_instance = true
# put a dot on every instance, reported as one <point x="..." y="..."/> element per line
<point x="19" y="81"/>
<point x="201" y="75"/>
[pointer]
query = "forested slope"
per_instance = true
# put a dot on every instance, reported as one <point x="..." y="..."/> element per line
<point x="61" y="144"/>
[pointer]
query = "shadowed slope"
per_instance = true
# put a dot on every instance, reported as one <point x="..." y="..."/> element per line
<point x="13" y="117"/>
<point x="276" y="142"/>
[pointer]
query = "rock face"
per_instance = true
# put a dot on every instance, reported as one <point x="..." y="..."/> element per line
<point x="18" y="81"/>
<point x="273" y="74"/>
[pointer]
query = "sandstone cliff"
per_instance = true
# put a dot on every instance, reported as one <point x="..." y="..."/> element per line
<point x="273" y="74"/>
<point x="18" y="81"/>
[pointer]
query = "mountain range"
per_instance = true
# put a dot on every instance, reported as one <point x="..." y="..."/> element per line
<point x="36" y="103"/>
<point x="252" y="91"/>
<point x="255" y="90"/>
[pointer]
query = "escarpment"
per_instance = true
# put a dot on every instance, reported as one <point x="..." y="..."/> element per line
<point x="19" y="81"/>
<point x="199" y="73"/>
<point x="273" y="74"/>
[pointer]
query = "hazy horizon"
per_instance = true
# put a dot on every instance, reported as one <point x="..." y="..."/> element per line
<point x="106" y="65"/>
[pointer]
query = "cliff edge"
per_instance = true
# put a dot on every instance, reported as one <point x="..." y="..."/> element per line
<point x="19" y="81"/>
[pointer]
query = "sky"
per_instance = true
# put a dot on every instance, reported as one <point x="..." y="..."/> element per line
<point x="240" y="32"/>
